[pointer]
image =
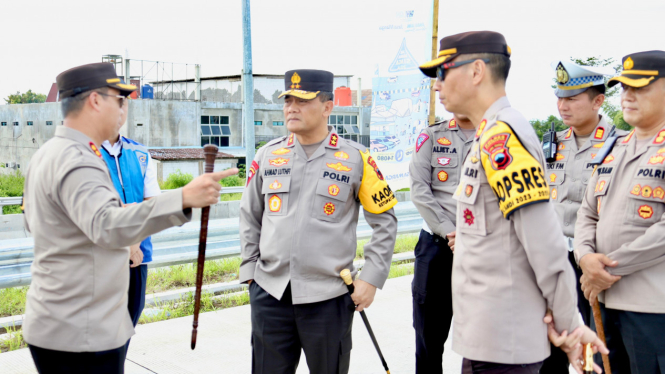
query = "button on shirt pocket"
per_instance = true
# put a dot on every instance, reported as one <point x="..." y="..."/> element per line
<point x="275" y="190"/>
<point x="645" y="204"/>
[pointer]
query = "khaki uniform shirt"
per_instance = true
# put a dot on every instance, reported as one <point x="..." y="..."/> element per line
<point x="569" y="175"/>
<point x="510" y="262"/>
<point x="435" y="171"/>
<point x="622" y="217"/>
<point x="298" y="218"/>
<point x="77" y="300"/>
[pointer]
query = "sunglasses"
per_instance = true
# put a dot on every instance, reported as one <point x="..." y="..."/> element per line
<point x="121" y="99"/>
<point x="441" y="69"/>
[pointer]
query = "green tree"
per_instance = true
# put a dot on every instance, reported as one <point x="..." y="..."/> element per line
<point x="26" y="98"/>
<point x="541" y="127"/>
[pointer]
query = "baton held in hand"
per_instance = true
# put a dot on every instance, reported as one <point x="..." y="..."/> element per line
<point x="600" y="330"/>
<point x="210" y="153"/>
<point x="348" y="280"/>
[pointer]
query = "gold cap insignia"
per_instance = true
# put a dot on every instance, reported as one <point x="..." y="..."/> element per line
<point x="295" y="80"/>
<point x="561" y="74"/>
<point x="628" y="64"/>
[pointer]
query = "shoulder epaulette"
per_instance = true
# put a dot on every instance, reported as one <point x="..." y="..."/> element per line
<point x="355" y="145"/>
<point x="276" y="140"/>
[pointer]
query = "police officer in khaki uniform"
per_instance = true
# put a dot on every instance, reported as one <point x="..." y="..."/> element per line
<point x="298" y="219"/>
<point x="76" y="318"/>
<point x="620" y="231"/>
<point x="435" y="171"/>
<point x="510" y="261"/>
<point x="580" y="94"/>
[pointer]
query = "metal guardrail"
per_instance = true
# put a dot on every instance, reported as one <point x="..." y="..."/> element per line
<point x="179" y="245"/>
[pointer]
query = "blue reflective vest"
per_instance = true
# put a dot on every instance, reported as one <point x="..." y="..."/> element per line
<point x="132" y="163"/>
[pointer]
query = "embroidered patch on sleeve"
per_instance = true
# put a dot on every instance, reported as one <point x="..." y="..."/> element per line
<point x="375" y="194"/>
<point x="515" y="176"/>
<point x="252" y="171"/>
<point x="422" y="138"/>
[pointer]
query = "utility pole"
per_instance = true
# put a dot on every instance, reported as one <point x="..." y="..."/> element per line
<point x="248" y="84"/>
<point x="435" y="31"/>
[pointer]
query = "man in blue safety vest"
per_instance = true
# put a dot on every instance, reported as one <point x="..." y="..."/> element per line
<point x="135" y="178"/>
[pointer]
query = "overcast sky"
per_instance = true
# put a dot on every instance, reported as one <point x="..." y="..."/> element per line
<point x="41" y="38"/>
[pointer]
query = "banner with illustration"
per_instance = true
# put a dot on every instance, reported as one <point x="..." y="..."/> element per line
<point x="400" y="92"/>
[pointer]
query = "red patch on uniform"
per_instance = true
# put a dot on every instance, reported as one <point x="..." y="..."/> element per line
<point x="569" y="133"/>
<point x="600" y="131"/>
<point x="496" y="148"/>
<point x="291" y="140"/>
<point x="630" y="135"/>
<point x="422" y="138"/>
<point x="329" y="209"/>
<point x="660" y="138"/>
<point x="468" y="217"/>
<point x="94" y="149"/>
<point x="275" y="203"/>
<point x="443" y="176"/>
<point x="334" y="138"/>
<point x="333" y="190"/>
<point x="452" y="124"/>
<point x="253" y="169"/>
<point x="481" y="128"/>
<point x="374" y="166"/>
<point x="645" y="211"/>
<point x="468" y="190"/>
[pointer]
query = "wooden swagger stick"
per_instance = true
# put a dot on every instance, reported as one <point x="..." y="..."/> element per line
<point x="210" y="153"/>
<point x="600" y="330"/>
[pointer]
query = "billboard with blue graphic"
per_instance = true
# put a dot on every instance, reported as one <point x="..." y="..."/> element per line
<point x="400" y="92"/>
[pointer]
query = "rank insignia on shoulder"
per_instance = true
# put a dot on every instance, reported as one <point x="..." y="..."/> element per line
<point x="341" y="155"/>
<point x="569" y="133"/>
<point x="442" y="175"/>
<point x="329" y="209"/>
<point x="252" y="171"/>
<point x="94" y="149"/>
<point x="291" y="140"/>
<point x="281" y="151"/>
<point x="422" y="138"/>
<point x="468" y="217"/>
<point x="339" y="167"/>
<point x="275" y="185"/>
<point x="444" y="141"/>
<point x="600" y="131"/>
<point x="630" y="135"/>
<point x="452" y="124"/>
<point x="275" y="203"/>
<point x="333" y="140"/>
<point x="279" y="161"/>
<point x="660" y="138"/>
<point x="481" y="128"/>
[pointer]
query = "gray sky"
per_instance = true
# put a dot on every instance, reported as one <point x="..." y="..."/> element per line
<point x="41" y="38"/>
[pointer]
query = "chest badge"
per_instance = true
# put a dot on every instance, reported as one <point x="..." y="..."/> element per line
<point x="341" y="155"/>
<point x="646" y="191"/>
<point x="443" y="161"/>
<point x="552" y="178"/>
<point x="281" y="151"/>
<point x="468" y="190"/>
<point x="279" y="161"/>
<point x="275" y="203"/>
<point x="560" y="157"/>
<point x="443" y="176"/>
<point x="645" y="211"/>
<point x="659" y="193"/>
<point x="94" y="149"/>
<point x="599" y="145"/>
<point x="553" y="195"/>
<point x="636" y="190"/>
<point x="275" y="185"/>
<point x="657" y="159"/>
<point x="329" y="209"/>
<point x="561" y="147"/>
<point x="608" y="159"/>
<point x="444" y="141"/>
<point x="333" y="190"/>
<point x="339" y="167"/>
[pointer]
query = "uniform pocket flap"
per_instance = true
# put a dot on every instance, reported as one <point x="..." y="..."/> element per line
<point x="601" y="187"/>
<point x="333" y="190"/>
<point x="467" y="192"/>
<point x="444" y="161"/>
<point x="555" y="178"/>
<point x="275" y="185"/>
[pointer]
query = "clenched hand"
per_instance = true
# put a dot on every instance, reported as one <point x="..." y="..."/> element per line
<point x="363" y="294"/>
